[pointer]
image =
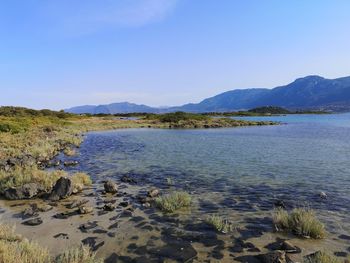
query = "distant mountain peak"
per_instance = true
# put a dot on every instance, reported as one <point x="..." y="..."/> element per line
<point x="310" y="92"/>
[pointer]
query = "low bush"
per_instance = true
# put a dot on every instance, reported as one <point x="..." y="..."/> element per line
<point x="322" y="257"/>
<point x="81" y="254"/>
<point x="220" y="224"/>
<point x="300" y="221"/>
<point x="173" y="201"/>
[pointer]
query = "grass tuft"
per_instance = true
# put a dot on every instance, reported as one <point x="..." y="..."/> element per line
<point x="173" y="201"/>
<point x="220" y="224"/>
<point x="322" y="257"/>
<point x="300" y="221"/>
<point x="13" y="249"/>
<point x="81" y="254"/>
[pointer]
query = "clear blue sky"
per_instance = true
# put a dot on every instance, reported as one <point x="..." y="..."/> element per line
<point x="61" y="53"/>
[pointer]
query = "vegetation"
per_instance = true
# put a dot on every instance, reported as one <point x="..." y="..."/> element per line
<point x="220" y="224"/>
<point x="31" y="174"/>
<point x="322" y="257"/>
<point x="300" y="221"/>
<point x="173" y="201"/>
<point x="176" y="117"/>
<point x="81" y="254"/>
<point x="15" y="249"/>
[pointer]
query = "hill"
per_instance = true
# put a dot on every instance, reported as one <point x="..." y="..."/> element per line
<point x="308" y="93"/>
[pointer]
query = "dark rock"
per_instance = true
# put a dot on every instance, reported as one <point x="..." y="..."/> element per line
<point x="62" y="189"/>
<point x="110" y="187"/>
<point x="280" y="204"/>
<point x="126" y="213"/>
<point x="70" y="163"/>
<point x="124" y="204"/>
<point x="109" y="207"/>
<point x="284" y="245"/>
<point x="33" y="222"/>
<point x="61" y="235"/>
<point x="341" y="254"/>
<point x="344" y="237"/>
<point x="88" y="226"/>
<point x="128" y="179"/>
<point x="25" y="191"/>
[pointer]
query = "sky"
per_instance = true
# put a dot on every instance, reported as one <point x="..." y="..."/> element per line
<point x="61" y="53"/>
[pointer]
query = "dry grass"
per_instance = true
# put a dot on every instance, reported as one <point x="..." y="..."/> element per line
<point x="323" y="257"/>
<point x="173" y="201"/>
<point x="220" y="224"/>
<point x="300" y="221"/>
<point x="69" y="151"/>
<point x="14" y="249"/>
<point x="29" y="174"/>
<point x="81" y="254"/>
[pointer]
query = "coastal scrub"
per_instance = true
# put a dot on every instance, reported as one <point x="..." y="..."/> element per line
<point x="300" y="221"/>
<point x="173" y="201"/>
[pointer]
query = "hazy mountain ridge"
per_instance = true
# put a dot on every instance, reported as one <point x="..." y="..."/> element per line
<point x="311" y="92"/>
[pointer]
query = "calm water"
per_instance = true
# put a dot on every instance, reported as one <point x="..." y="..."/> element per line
<point x="239" y="173"/>
<point x="297" y="160"/>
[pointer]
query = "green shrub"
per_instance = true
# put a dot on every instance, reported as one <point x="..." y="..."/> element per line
<point x="173" y="201"/>
<point x="300" y="221"/>
<point x="220" y="224"/>
<point x="81" y="254"/>
<point x="322" y="257"/>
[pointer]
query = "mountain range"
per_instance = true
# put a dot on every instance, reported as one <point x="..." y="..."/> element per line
<point x="308" y="93"/>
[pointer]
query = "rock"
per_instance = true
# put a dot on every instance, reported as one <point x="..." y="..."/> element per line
<point x="25" y="191"/>
<point x="124" y="204"/>
<point x="62" y="189"/>
<point x="45" y="208"/>
<point x="70" y="163"/>
<point x="110" y="186"/>
<point x="77" y="203"/>
<point x="289" y="248"/>
<point x="153" y="193"/>
<point x="280" y="204"/>
<point x="85" y="209"/>
<point x="33" y="222"/>
<point x="31" y="211"/>
<point x="147" y="205"/>
<point x="109" y="207"/>
<point x="273" y="257"/>
<point x="323" y="195"/>
<point x="88" y="226"/>
<point x="78" y="188"/>
<point x="144" y="199"/>
<point x="128" y="179"/>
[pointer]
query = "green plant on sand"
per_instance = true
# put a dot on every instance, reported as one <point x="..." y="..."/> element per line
<point x="220" y="224"/>
<point x="300" y="221"/>
<point x="173" y="201"/>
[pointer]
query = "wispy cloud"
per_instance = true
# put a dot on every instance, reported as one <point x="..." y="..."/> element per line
<point x="89" y="16"/>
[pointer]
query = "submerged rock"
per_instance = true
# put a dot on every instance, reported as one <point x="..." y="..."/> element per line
<point x="70" y="163"/>
<point x="62" y="189"/>
<point x="25" y="191"/>
<point x="109" y="207"/>
<point x="77" y="203"/>
<point x="153" y="193"/>
<point x="110" y="187"/>
<point x="323" y="195"/>
<point x="33" y="222"/>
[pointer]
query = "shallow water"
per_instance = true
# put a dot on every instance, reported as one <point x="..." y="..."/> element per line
<point x="238" y="173"/>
